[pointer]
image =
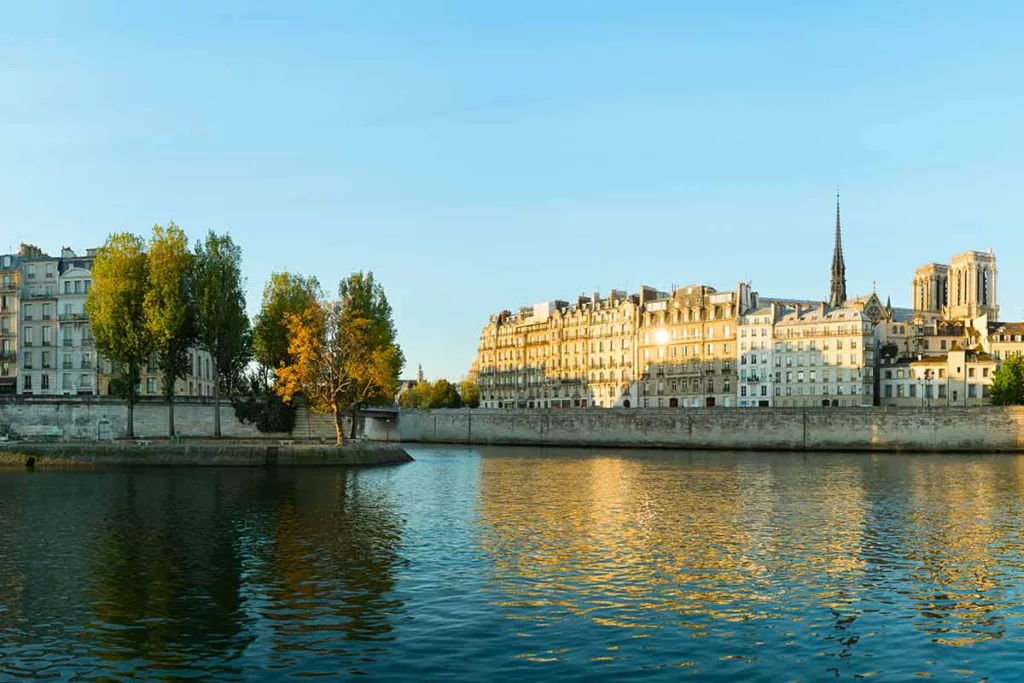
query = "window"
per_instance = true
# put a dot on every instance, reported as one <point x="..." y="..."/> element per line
<point x="47" y="334"/>
<point x="44" y="382"/>
<point x="27" y="385"/>
<point x="150" y="385"/>
<point x="28" y="311"/>
<point x="66" y="384"/>
<point x="970" y="372"/>
<point x="28" y="360"/>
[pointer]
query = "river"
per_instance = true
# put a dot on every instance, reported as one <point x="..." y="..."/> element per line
<point x="520" y="564"/>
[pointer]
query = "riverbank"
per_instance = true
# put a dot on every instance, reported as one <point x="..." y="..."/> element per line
<point x="927" y="430"/>
<point x="200" y="454"/>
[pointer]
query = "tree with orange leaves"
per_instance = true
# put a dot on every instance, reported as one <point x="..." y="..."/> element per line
<point x="343" y="353"/>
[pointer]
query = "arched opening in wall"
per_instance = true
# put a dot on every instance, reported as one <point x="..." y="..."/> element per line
<point x="825" y="403"/>
<point x="709" y="402"/>
<point x="835" y="403"/>
<point x="673" y="403"/>
<point x="625" y="404"/>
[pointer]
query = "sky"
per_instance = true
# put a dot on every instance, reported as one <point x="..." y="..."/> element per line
<point x="481" y="156"/>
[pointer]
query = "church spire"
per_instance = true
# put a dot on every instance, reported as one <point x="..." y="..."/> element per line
<point x="837" y="296"/>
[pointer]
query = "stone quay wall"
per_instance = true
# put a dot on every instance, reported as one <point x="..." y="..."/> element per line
<point x="982" y="429"/>
<point x="103" y="418"/>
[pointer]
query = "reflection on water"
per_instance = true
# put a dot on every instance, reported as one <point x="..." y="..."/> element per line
<point x="519" y="564"/>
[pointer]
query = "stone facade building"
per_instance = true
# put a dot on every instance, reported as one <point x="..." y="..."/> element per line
<point x="755" y="356"/>
<point x="824" y="357"/>
<point x="557" y="355"/>
<point x="687" y="345"/>
<point x="46" y="346"/>
<point x="10" y="287"/>
<point x="696" y="347"/>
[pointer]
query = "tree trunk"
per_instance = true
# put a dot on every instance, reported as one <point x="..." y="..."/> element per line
<point x="338" y="429"/>
<point x="131" y="418"/>
<point x="352" y="432"/>
<point x="216" y="402"/>
<point x="170" y="416"/>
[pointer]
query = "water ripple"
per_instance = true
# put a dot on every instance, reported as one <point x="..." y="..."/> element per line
<point x="520" y="564"/>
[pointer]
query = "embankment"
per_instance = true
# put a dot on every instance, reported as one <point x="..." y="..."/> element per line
<point x="196" y="455"/>
<point x="986" y="429"/>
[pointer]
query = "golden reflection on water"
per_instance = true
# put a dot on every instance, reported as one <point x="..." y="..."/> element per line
<point x="640" y="543"/>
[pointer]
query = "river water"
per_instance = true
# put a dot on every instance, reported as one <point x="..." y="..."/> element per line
<point x="520" y="564"/>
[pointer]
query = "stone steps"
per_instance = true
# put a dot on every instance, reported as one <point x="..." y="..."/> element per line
<point x="313" y="426"/>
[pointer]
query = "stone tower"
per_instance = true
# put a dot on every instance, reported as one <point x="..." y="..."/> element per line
<point x="837" y="296"/>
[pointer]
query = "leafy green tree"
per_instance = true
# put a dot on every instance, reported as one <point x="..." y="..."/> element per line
<point x="344" y="353"/>
<point x="444" y="395"/>
<point x="168" y="307"/>
<point x="117" y="313"/>
<point x="1008" y="382"/>
<point x="470" y="392"/>
<point x="416" y="397"/>
<point x="285" y="293"/>
<point x="222" y="327"/>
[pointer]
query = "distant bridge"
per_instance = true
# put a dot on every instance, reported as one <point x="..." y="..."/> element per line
<point x="379" y="412"/>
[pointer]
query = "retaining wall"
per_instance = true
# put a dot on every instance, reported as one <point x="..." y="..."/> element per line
<point x="983" y="429"/>
<point x="83" y="419"/>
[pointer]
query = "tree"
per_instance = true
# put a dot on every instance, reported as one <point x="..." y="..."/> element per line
<point x="1008" y="382"/>
<point x="168" y="307"/>
<point x="417" y="397"/>
<point x="444" y="395"/>
<point x="285" y="293"/>
<point x="222" y="327"/>
<point x="470" y="392"/>
<point x="343" y="352"/>
<point x="117" y="314"/>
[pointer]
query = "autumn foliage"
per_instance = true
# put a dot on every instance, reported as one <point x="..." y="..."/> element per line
<point x="342" y="354"/>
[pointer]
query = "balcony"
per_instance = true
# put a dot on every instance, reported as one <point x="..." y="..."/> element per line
<point x="30" y="294"/>
<point x="73" y="317"/>
<point x="8" y="356"/>
<point x="9" y="287"/>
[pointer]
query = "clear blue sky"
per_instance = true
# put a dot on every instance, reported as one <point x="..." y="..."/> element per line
<point x="482" y="155"/>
